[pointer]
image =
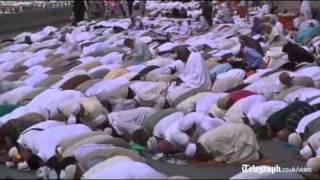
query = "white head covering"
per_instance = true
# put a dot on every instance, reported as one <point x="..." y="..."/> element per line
<point x="152" y="144"/>
<point x="13" y="152"/>
<point x="314" y="164"/>
<point x="69" y="172"/>
<point x="191" y="150"/>
<point x="196" y="73"/>
<point x="306" y="152"/>
<point x="295" y="139"/>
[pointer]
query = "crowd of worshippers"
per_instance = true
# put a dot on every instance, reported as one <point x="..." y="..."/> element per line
<point x="84" y="101"/>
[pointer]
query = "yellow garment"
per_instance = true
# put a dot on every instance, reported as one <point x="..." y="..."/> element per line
<point x="116" y="73"/>
<point x="88" y="66"/>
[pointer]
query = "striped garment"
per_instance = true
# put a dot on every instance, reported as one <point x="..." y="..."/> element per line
<point x="13" y="128"/>
<point x="312" y="128"/>
<point x="278" y="120"/>
<point x="294" y="118"/>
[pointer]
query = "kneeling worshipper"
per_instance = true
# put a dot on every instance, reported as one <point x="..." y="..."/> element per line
<point x="311" y="148"/>
<point x="314" y="164"/>
<point x="67" y="146"/>
<point x="252" y="58"/>
<point x="27" y="137"/>
<point x="273" y="37"/>
<point x="113" y="88"/>
<point x="10" y="131"/>
<point x="141" y="135"/>
<point x="226" y="84"/>
<point x="140" y="52"/>
<point x="194" y="78"/>
<point x="260" y="113"/>
<point x="88" y="155"/>
<point x="87" y="110"/>
<point x="124" y="123"/>
<point x="169" y="70"/>
<point x="42" y="147"/>
<point x="174" y="136"/>
<point x="265" y="172"/>
<point x="297" y="138"/>
<point x="229" y="143"/>
<point x="200" y="102"/>
<point x="150" y="94"/>
<point x="287" y="119"/>
<point x="202" y="26"/>
<point x="121" y="167"/>
<point x="289" y="81"/>
<point x="297" y="54"/>
<point x="252" y="43"/>
<point x="238" y="111"/>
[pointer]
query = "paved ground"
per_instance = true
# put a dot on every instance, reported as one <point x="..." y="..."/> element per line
<point x="281" y="154"/>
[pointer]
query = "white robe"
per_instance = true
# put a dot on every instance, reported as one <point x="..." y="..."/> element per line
<point x="195" y="76"/>
<point x="306" y="120"/>
<point x="109" y="88"/>
<point x="150" y="94"/>
<point x="236" y="111"/>
<point x="262" y="111"/>
<point x="302" y="94"/>
<point x="28" y="136"/>
<point x="205" y="103"/>
<point x="126" y="122"/>
<point x="15" y="95"/>
<point x="122" y="168"/>
<point x="46" y="142"/>
<point x="161" y="127"/>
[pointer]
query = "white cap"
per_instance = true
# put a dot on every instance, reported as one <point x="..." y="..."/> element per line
<point x="100" y="119"/>
<point x="152" y="144"/>
<point x="191" y="150"/>
<point x="13" y="152"/>
<point x="69" y="172"/>
<point x="306" y="152"/>
<point x="295" y="139"/>
<point x="108" y="130"/>
<point x="72" y="119"/>
<point x="314" y="164"/>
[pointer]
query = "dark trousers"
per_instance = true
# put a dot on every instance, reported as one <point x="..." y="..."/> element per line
<point x="130" y="6"/>
<point x="78" y="10"/>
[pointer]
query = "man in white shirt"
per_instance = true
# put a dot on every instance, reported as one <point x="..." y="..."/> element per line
<point x="140" y="52"/>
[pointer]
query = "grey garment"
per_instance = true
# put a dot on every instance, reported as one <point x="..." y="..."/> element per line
<point x="99" y="74"/>
<point x="303" y="81"/>
<point x="312" y="128"/>
<point x="49" y="81"/>
<point x="118" y="142"/>
<point x="6" y="86"/>
<point x="285" y="92"/>
<point x="149" y="124"/>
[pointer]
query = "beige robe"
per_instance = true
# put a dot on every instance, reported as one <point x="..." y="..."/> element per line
<point x="222" y="85"/>
<point x="231" y="143"/>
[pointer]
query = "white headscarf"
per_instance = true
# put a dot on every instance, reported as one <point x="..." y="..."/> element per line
<point x="196" y="73"/>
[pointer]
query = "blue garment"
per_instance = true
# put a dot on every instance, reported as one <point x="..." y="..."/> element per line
<point x="253" y="58"/>
<point x="220" y="68"/>
<point x="307" y="34"/>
